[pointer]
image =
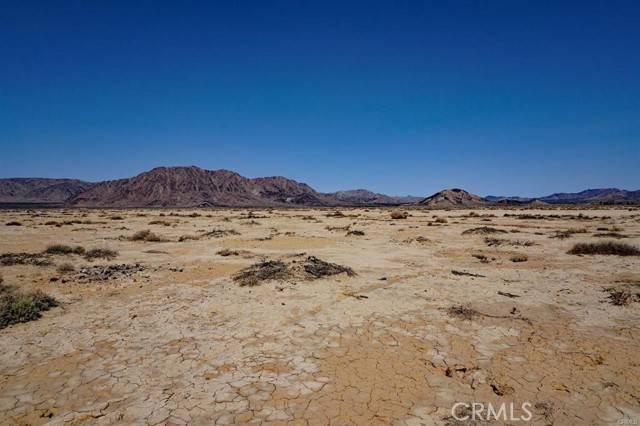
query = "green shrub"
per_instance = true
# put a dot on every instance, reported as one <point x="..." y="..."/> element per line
<point x="17" y="307"/>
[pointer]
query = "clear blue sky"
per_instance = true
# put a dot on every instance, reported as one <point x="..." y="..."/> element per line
<point x="497" y="97"/>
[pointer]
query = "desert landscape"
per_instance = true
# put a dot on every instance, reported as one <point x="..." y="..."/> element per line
<point x="318" y="315"/>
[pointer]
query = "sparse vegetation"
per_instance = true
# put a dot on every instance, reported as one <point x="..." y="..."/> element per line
<point x="61" y="249"/>
<point x="36" y="259"/>
<point x="441" y="220"/>
<point x="611" y="248"/>
<point x="609" y="235"/>
<point x="319" y="268"/>
<point x="13" y="223"/>
<point x="483" y="230"/>
<point x="227" y="252"/>
<point x="188" y="238"/>
<point x="263" y="271"/>
<point x="567" y="233"/>
<point x="519" y="258"/>
<point x="66" y="268"/>
<point x="462" y="312"/>
<point x="146" y="235"/>
<point x="100" y="253"/>
<point x="356" y="232"/>
<point x="399" y="215"/>
<point x="17" y="306"/>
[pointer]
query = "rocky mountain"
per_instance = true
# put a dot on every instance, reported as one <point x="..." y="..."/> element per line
<point x="594" y="196"/>
<point x="40" y="190"/>
<point x="363" y="196"/>
<point x="453" y="197"/>
<point x="196" y="187"/>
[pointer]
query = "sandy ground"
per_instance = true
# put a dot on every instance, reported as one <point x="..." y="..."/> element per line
<point x="182" y="343"/>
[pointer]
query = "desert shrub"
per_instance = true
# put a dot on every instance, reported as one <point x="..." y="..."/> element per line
<point x="484" y="230"/>
<point x="146" y="235"/>
<point x="605" y="248"/>
<point x="356" y="232"/>
<point x="66" y="268"/>
<point x="567" y="233"/>
<point x="116" y="218"/>
<point x="441" y="220"/>
<point x="64" y="249"/>
<point x="399" y="215"/>
<point x="160" y="222"/>
<point x="263" y="271"/>
<point x="36" y="259"/>
<point x="519" y="258"/>
<point x="100" y="253"/>
<point x="462" y="312"/>
<point x="227" y="252"/>
<point x="609" y="235"/>
<point x="17" y="306"/>
<point x="620" y="297"/>
<point x="337" y="213"/>
<point x="188" y="237"/>
<point x="319" y="268"/>
<point x="13" y="223"/>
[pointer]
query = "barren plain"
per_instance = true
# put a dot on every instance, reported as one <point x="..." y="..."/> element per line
<point x="441" y="307"/>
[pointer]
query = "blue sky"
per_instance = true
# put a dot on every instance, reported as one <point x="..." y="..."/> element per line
<point x="497" y="97"/>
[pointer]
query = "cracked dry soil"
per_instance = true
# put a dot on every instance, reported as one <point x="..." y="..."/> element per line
<point x="179" y="342"/>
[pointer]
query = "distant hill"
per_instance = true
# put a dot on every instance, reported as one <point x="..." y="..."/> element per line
<point x="454" y="197"/>
<point x="40" y="190"/>
<point x="594" y="196"/>
<point x="363" y="196"/>
<point x="195" y="187"/>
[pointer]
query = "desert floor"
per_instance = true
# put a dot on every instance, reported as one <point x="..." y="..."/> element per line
<point x="178" y="341"/>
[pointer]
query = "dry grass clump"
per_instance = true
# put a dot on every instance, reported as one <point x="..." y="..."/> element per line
<point x="116" y="218"/>
<point x="227" y="252"/>
<point x="462" y="312"/>
<point x="441" y="220"/>
<point x="146" y="235"/>
<point x="263" y="271"/>
<point x="612" y="248"/>
<point x="356" y="232"/>
<point x="188" y="238"/>
<point x="61" y="249"/>
<point x="311" y="268"/>
<point x="219" y="233"/>
<point x="319" y="268"/>
<point x="36" y="259"/>
<point x="519" y="258"/>
<point x="609" y="235"/>
<point x="160" y="222"/>
<point x="621" y="297"/>
<point x="13" y="223"/>
<point x="482" y="230"/>
<point x="567" y="233"/>
<point x="399" y="215"/>
<point x="66" y="268"/>
<point x="100" y="253"/>
<point x="17" y="306"/>
<point x="337" y="213"/>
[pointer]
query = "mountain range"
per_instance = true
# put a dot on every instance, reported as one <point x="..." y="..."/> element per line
<point x="196" y="187"/>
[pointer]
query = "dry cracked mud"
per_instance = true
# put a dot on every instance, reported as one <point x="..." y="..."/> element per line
<point x="176" y="341"/>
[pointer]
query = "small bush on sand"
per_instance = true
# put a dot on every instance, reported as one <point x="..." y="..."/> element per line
<point x="66" y="268"/>
<point x="36" y="259"/>
<point x="356" y="232"/>
<point x="263" y="271"/>
<point x="483" y="230"/>
<point x="519" y="258"/>
<point x="612" y="248"/>
<point x="64" y="249"/>
<point x="609" y="235"/>
<point x="319" y="268"/>
<point x="100" y="253"/>
<point x="441" y="220"/>
<point x="146" y="235"/>
<point x="188" y="238"/>
<point x="17" y="307"/>
<point x="227" y="252"/>
<point x="399" y="215"/>
<point x="14" y="223"/>
<point x="462" y="312"/>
